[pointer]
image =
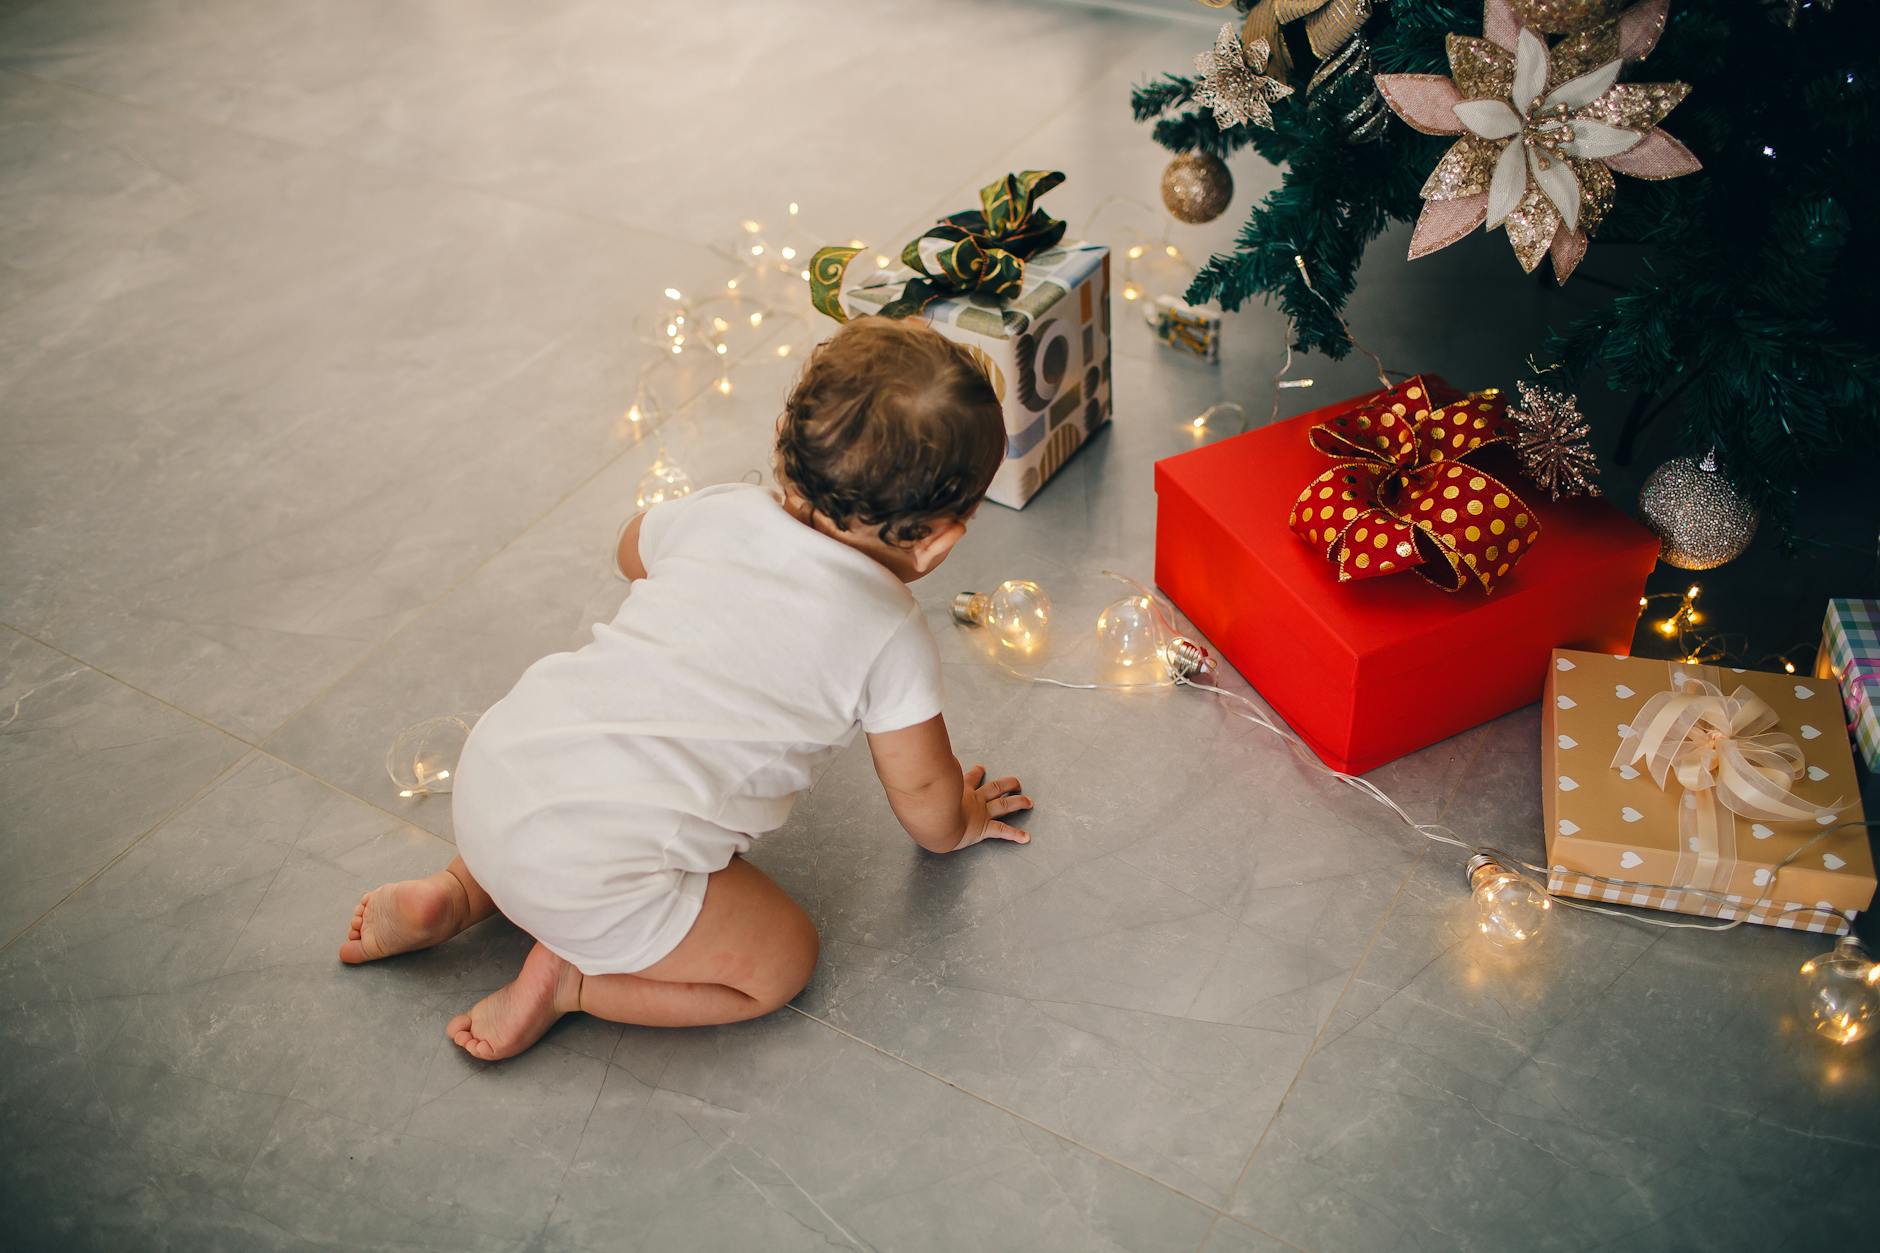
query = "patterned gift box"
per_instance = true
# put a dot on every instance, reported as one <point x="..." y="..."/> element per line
<point x="1184" y="327"/>
<point x="1615" y="835"/>
<point x="1850" y="655"/>
<point x="1046" y="350"/>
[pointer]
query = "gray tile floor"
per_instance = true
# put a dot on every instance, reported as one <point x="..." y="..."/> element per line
<point x="318" y="333"/>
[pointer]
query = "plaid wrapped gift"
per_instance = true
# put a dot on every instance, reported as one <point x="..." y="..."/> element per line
<point x="1791" y="914"/>
<point x="1850" y="655"/>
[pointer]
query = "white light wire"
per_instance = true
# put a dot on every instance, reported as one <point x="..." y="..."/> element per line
<point x="1535" y="876"/>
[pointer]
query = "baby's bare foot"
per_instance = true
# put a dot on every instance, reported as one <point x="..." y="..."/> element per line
<point x="513" y="1017"/>
<point x="400" y="917"/>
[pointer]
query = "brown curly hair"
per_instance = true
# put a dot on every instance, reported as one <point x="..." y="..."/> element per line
<point x="892" y="425"/>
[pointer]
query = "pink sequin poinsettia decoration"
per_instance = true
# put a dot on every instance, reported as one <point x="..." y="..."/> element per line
<point x="1542" y="130"/>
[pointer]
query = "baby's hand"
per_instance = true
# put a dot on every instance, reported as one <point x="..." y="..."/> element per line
<point x="985" y="803"/>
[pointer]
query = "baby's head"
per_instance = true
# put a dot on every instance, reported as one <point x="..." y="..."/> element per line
<point x="889" y="439"/>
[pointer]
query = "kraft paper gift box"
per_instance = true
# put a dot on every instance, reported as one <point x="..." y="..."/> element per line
<point x="1046" y="350"/>
<point x="1683" y="850"/>
<point x="1850" y="655"/>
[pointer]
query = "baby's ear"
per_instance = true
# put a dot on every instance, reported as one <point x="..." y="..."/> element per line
<point x="932" y="548"/>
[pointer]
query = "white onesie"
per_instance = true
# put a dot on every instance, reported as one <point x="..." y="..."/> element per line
<point x="593" y="801"/>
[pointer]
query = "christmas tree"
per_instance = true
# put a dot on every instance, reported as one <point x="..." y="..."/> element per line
<point x="1747" y="313"/>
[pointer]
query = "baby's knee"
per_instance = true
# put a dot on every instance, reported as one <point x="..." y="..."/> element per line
<point x="793" y="961"/>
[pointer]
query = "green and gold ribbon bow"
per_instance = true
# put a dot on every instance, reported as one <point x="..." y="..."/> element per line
<point x="1402" y="497"/>
<point x="978" y="250"/>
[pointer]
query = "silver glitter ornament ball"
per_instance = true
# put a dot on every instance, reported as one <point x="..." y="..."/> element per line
<point x="1699" y="516"/>
<point x="1197" y="187"/>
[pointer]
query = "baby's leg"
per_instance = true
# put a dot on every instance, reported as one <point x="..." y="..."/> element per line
<point x="415" y="913"/>
<point x="751" y="949"/>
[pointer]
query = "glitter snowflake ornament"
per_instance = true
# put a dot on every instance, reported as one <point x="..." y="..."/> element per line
<point x="1542" y="129"/>
<point x="1234" y="81"/>
<point x="1552" y="442"/>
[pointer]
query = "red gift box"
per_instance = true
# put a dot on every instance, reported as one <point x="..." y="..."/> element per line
<point x="1370" y="670"/>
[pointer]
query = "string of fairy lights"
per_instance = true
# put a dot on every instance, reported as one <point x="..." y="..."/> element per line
<point x="761" y="305"/>
<point x="1139" y="645"/>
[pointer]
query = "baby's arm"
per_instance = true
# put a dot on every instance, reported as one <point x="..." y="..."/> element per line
<point x="627" y="554"/>
<point x="942" y="807"/>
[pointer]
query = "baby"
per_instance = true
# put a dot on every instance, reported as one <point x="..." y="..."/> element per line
<point x="602" y="806"/>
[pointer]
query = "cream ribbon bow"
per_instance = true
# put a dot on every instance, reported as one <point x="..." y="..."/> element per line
<point x="1719" y="747"/>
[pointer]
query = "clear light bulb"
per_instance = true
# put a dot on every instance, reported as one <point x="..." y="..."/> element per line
<point x="1129" y="644"/>
<point x="1841" y="992"/>
<point x="1017" y="612"/>
<point x="663" y="480"/>
<point x="1508" y="909"/>
<point x="423" y="758"/>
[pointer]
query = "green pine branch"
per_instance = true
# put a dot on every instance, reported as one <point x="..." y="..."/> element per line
<point x="1752" y="305"/>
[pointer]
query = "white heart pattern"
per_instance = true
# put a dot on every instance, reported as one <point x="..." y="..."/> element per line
<point x="1567" y="741"/>
<point x="1831" y="861"/>
<point x="1566" y="784"/>
<point x="1824" y="820"/>
<point x="1760" y="831"/>
<point x="1625" y="729"/>
<point x="1629" y="859"/>
<point x="1817" y="773"/>
<point x="1562" y="664"/>
<point x="1808" y="732"/>
<point x="1623" y="692"/>
<point x="1692" y="843"/>
<point x="1628" y="772"/>
<point x="1566" y="702"/>
<point x="1762" y="876"/>
<point x="1569" y="827"/>
<point x="1803" y="693"/>
<point x="1630" y="814"/>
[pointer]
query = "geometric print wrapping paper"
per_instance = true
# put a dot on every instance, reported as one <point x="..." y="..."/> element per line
<point x="1045" y="350"/>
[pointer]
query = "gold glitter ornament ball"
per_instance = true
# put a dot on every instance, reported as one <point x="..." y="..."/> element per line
<point x="1197" y="187"/>
<point x="1555" y="17"/>
<point x="1699" y="516"/>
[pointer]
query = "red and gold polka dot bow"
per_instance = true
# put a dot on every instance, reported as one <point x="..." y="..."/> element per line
<point x="1401" y="497"/>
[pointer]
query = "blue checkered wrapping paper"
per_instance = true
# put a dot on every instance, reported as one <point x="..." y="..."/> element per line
<point x="1850" y="655"/>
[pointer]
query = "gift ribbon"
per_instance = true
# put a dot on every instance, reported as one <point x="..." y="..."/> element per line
<point x="1860" y="679"/>
<point x="977" y="250"/>
<point x="1401" y="498"/>
<point x="1723" y="754"/>
<point x="1330" y="24"/>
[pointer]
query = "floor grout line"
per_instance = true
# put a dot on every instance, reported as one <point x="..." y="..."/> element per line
<point x="141" y="836"/>
<point x="411" y="173"/>
<point x="254" y="751"/>
<point x="1053" y="1132"/>
<point x="1312" y="1050"/>
<point x="1376" y="933"/>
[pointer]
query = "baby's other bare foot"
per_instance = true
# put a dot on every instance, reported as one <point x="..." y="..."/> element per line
<point x="400" y="917"/>
<point x="513" y="1017"/>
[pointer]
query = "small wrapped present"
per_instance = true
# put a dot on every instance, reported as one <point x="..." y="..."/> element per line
<point x="1034" y="311"/>
<point x="1701" y="790"/>
<point x="1184" y="327"/>
<point x="1850" y="655"/>
<point x="1368" y="669"/>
